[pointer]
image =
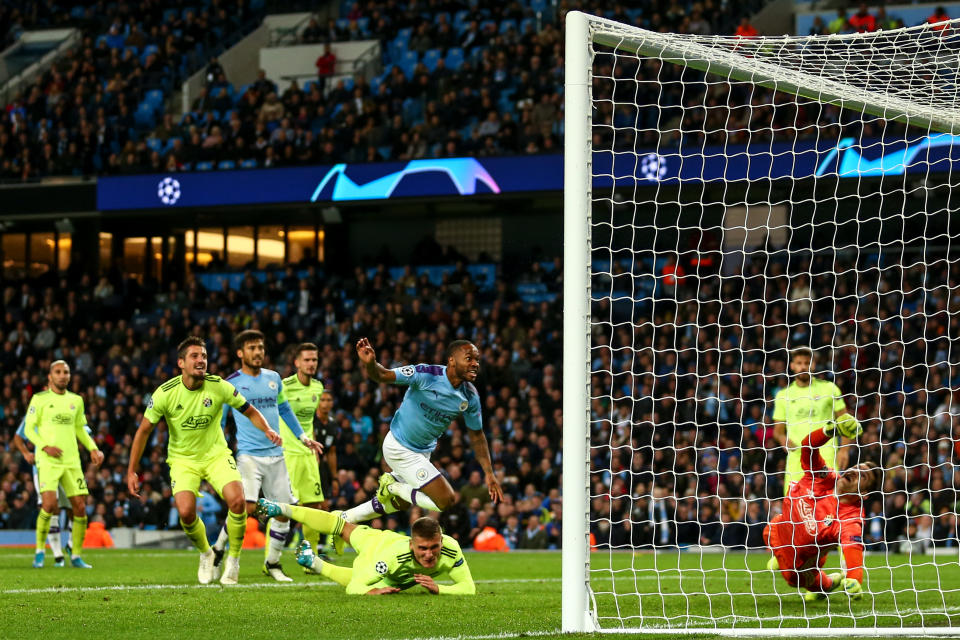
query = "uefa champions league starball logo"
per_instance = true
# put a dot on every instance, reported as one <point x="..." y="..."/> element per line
<point x="168" y="191"/>
<point x="653" y="167"/>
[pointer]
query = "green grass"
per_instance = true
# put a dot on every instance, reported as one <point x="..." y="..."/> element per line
<point x="154" y="594"/>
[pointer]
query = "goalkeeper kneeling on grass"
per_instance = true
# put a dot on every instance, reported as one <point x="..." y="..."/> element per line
<point x="387" y="562"/>
<point x="823" y="510"/>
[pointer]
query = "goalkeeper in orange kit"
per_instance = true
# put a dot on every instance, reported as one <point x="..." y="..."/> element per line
<point x="823" y="510"/>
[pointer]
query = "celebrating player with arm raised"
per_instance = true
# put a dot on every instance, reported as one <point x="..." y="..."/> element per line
<point x="192" y="404"/>
<point x="435" y="396"/>
<point x="387" y="562"/>
<point x="55" y="422"/>
<point x="824" y="509"/>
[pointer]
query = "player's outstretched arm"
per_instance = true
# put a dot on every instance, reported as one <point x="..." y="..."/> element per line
<point x="136" y="453"/>
<point x="261" y="423"/>
<point x="482" y="452"/>
<point x="463" y="584"/>
<point x="375" y="371"/>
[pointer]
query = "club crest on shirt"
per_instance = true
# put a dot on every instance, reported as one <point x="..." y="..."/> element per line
<point x="272" y="385"/>
<point x="421" y="474"/>
<point x="72" y="408"/>
<point x="207" y="402"/>
<point x="381" y="567"/>
<point x="828" y="521"/>
<point x="464" y="405"/>
<point x="313" y="398"/>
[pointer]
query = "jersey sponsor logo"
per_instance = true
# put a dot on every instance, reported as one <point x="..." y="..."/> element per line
<point x="436" y="416"/>
<point x="194" y="423"/>
<point x="381" y="567"/>
<point x="207" y="402"/>
<point x="464" y="405"/>
<point x="62" y="418"/>
<point x="407" y="371"/>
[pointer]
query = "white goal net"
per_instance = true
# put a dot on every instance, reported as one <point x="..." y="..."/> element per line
<point x="729" y="201"/>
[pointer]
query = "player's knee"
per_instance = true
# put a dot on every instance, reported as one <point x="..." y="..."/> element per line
<point x="187" y="514"/>
<point x="236" y="504"/>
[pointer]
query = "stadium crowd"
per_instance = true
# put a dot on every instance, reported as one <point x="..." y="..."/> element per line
<point x="479" y="78"/>
<point x="682" y="446"/>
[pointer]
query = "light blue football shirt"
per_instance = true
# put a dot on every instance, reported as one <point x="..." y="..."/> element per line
<point x="265" y="392"/>
<point x="430" y="404"/>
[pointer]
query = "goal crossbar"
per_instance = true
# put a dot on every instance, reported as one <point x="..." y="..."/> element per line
<point x="737" y="59"/>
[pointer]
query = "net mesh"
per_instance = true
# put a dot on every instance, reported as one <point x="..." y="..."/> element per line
<point x="738" y="214"/>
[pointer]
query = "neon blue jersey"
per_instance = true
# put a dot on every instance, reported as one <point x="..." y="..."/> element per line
<point x="430" y="404"/>
<point x="265" y="392"/>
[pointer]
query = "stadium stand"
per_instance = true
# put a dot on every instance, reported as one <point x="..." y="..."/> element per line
<point x="478" y="78"/>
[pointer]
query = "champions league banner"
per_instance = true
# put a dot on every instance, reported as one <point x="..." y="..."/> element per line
<point x="470" y="177"/>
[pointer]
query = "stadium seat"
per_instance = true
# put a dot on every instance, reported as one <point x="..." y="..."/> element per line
<point x="154" y="144"/>
<point x="506" y="25"/>
<point x="226" y="165"/>
<point x="204" y="166"/>
<point x="539" y="6"/>
<point x="249" y="164"/>
<point x="144" y="116"/>
<point x="430" y="58"/>
<point x="454" y="58"/>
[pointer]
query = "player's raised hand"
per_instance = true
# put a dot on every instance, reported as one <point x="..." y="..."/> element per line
<point x="365" y="351"/>
<point x="311" y="444"/>
<point x="382" y="591"/>
<point x="96" y="456"/>
<point x="273" y="437"/>
<point x="427" y="583"/>
<point x="496" y="492"/>
<point x="133" y="484"/>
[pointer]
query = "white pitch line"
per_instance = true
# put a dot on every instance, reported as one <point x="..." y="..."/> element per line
<point x="249" y="585"/>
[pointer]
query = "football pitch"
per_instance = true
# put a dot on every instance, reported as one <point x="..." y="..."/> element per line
<point x="152" y="593"/>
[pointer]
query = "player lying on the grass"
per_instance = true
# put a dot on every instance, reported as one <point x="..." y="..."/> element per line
<point x="55" y="422"/>
<point x="387" y="562"/>
<point x="65" y="519"/>
<point x="192" y="404"/>
<point x="436" y="395"/>
<point x="820" y="511"/>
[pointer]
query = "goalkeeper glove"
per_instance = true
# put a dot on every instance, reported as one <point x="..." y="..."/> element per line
<point x="853" y="588"/>
<point x="848" y="426"/>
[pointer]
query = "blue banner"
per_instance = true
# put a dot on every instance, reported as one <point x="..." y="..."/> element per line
<point x="468" y="177"/>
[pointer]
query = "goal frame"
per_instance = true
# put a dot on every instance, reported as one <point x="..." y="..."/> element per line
<point x="582" y="31"/>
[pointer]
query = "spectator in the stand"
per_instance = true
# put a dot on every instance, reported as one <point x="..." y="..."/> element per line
<point x="817" y="28"/>
<point x="213" y="71"/>
<point x="745" y="29"/>
<point x="312" y="34"/>
<point x="326" y="65"/>
<point x="534" y="535"/>
<point x="863" y="21"/>
<point x="938" y="16"/>
<point x="840" y="24"/>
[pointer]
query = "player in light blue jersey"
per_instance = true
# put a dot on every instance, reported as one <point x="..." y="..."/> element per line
<point x="436" y="396"/>
<point x="260" y="461"/>
<point x="64" y="523"/>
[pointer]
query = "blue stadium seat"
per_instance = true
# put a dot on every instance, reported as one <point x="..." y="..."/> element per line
<point x="375" y="85"/>
<point x="144" y="116"/>
<point x="186" y="10"/>
<point x="77" y="12"/>
<point x="364" y="24"/>
<point x="454" y="58"/>
<point x="348" y="83"/>
<point x="506" y="25"/>
<point x="204" y="166"/>
<point x="249" y="164"/>
<point x="405" y="33"/>
<point x="154" y="144"/>
<point x="169" y="15"/>
<point x="343" y="23"/>
<point x="430" y="58"/>
<point x="460" y="18"/>
<point x="226" y="165"/>
<point x="154" y="97"/>
<point x="538" y="5"/>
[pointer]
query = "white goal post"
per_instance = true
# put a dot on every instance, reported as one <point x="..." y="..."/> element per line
<point x="722" y="197"/>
